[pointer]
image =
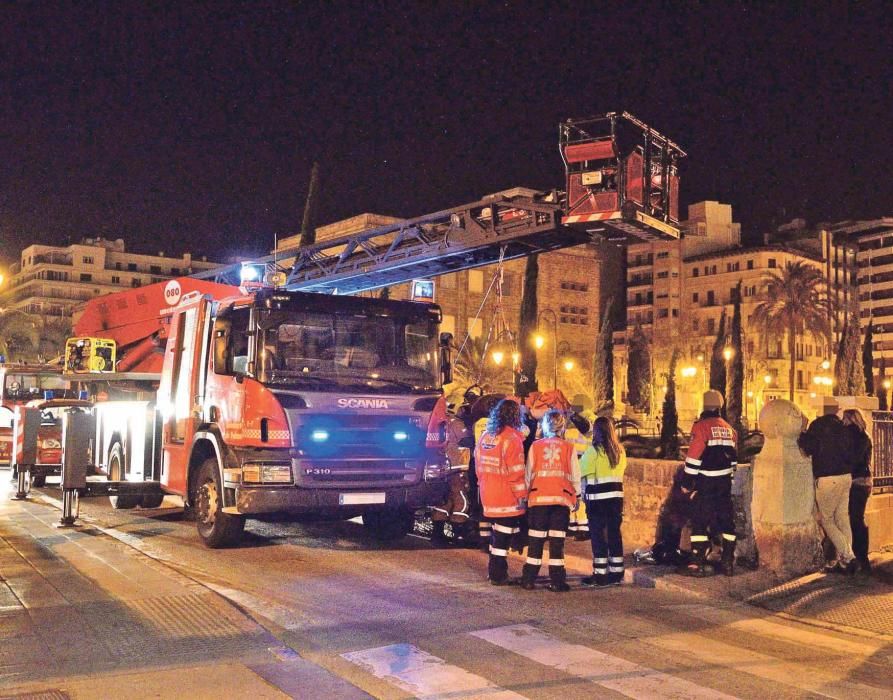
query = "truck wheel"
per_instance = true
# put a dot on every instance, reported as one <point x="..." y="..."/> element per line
<point x="38" y="480"/>
<point x="116" y="473"/>
<point x="389" y="524"/>
<point x="152" y="500"/>
<point x="216" y="528"/>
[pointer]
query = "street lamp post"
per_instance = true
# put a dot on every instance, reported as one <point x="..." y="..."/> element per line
<point x="540" y="341"/>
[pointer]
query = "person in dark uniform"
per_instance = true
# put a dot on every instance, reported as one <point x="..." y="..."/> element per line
<point x="707" y="481"/>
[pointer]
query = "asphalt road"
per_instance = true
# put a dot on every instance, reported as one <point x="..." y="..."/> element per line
<point x="408" y="620"/>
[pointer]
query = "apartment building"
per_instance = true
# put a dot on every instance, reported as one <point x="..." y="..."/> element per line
<point x="677" y="291"/>
<point x="50" y="282"/>
<point x="862" y="253"/>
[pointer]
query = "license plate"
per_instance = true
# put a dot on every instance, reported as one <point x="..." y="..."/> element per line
<point x="357" y="499"/>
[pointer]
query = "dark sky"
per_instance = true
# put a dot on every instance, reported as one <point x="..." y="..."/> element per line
<point x="193" y="126"/>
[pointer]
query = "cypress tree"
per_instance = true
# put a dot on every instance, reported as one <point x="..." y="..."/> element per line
<point x="638" y="376"/>
<point x="525" y="381"/>
<point x="308" y="223"/>
<point x="881" y="389"/>
<point x="735" y="398"/>
<point x="603" y="363"/>
<point x="847" y="370"/>
<point x="868" y="358"/>
<point x="717" y="361"/>
<point x="669" y="425"/>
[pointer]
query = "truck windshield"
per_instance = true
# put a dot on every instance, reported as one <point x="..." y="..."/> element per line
<point x="378" y="353"/>
<point x="19" y="388"/>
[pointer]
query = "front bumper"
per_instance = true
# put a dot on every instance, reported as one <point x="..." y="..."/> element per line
<point x="326" y="503"/>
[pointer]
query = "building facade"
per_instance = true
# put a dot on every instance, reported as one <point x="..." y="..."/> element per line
<point x="862" y="255"/>
<point x="50" y="282"/>
<point x="677" y="292"/>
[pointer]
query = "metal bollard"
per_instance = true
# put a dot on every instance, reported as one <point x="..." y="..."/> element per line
<point x="78" y="429"/>
<point x="24" y="439"/>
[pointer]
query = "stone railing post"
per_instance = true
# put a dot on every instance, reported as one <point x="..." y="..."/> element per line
<point x="787" y="535"/>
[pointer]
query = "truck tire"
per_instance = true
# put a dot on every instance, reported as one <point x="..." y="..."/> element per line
<point x="389" y="524"/>
<point x="116" y="473"/>
<point x="216" y="528"/>
<point x="152" y="500"/>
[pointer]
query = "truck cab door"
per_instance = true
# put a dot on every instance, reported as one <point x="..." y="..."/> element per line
<point x="181" y="391"/>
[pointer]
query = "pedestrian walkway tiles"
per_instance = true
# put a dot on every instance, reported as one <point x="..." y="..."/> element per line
<point x="792" y="658"/>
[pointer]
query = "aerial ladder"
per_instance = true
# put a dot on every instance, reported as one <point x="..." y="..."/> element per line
<point x="621" y="183"/>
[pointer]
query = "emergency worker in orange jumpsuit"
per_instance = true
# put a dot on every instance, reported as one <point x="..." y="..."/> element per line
<point x="553" y="482"/>
<point x="499" y="461"/>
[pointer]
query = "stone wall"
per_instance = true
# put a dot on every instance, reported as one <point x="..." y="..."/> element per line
<point x="647" y="484"/>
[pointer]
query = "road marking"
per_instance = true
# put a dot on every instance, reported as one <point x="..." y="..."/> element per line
<point x="766" y="627"/>
<point x="426" y="676"/>
<point x="608" y="671"/>
<point x="698" y="650"/>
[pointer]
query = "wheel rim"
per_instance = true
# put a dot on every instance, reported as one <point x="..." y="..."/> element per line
<point x="115" y="467"/>
<point x="207" y="503"/>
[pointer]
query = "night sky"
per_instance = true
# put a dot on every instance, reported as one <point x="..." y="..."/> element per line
<point x="193" y="126"/>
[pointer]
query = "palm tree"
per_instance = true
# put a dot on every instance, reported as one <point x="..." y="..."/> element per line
<point x="19" y="336"/>
<point x="472" y="366"/>
<point x="796" y="304"/>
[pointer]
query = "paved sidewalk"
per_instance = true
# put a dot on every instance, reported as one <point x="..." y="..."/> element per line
<point x="85" y="616"/>
<point x="854" y="603"/>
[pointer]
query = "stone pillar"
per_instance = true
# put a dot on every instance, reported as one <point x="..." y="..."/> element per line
<point x="787" y="535"/>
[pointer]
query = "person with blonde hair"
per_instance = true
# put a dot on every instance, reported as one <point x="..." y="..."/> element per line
<point x="860" y="488"/>
<point x="602" y="469"/>
<point x="553" y="489"/>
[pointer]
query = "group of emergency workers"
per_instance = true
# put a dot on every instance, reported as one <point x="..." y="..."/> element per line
<point x="536" y="481"/>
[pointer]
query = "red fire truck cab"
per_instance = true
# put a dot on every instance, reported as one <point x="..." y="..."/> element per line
<point x="287" y="403"/>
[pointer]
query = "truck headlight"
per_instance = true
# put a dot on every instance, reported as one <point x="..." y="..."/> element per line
<point x="265" y="473"/>
<point x="50" y="444"/>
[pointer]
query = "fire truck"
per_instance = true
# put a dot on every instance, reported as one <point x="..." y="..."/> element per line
<point x="33" y="384"/>
<point x="300" y="400"/>
<point x="270" y="402"/>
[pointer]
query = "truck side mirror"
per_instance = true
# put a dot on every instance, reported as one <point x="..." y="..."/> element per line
<point x="446" y="360"/>
<point x="222" y="357"/>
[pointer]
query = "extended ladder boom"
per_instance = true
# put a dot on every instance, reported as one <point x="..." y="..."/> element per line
<point x="510" y="225"/>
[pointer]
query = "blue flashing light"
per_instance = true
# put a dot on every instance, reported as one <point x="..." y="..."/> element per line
<point x="401" y="435"/>
<point x="319" y="435"/>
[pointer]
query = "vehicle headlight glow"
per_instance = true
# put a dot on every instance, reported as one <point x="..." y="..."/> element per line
<point x="401" y="435"/>
<point x="319" y="435"/>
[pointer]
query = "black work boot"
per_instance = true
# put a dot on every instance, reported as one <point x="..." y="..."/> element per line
<point x="728" y="557"/>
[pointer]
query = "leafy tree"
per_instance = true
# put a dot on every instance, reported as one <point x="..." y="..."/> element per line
<point x="868" y="358"/>
<point x="796" y="305"/>
<point x="717" y="359"/>
<point x="52" y="339"/>
<point x="638" y="375"/>
<point x="848" y="374"/>
<point x="308" y="223"/>
<point x="603" y="363"/>
<point x="19" y="336"/>
<point x="669" y="425"/>
<point x="735" y="397"/>
<point x="526" y="382"/>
